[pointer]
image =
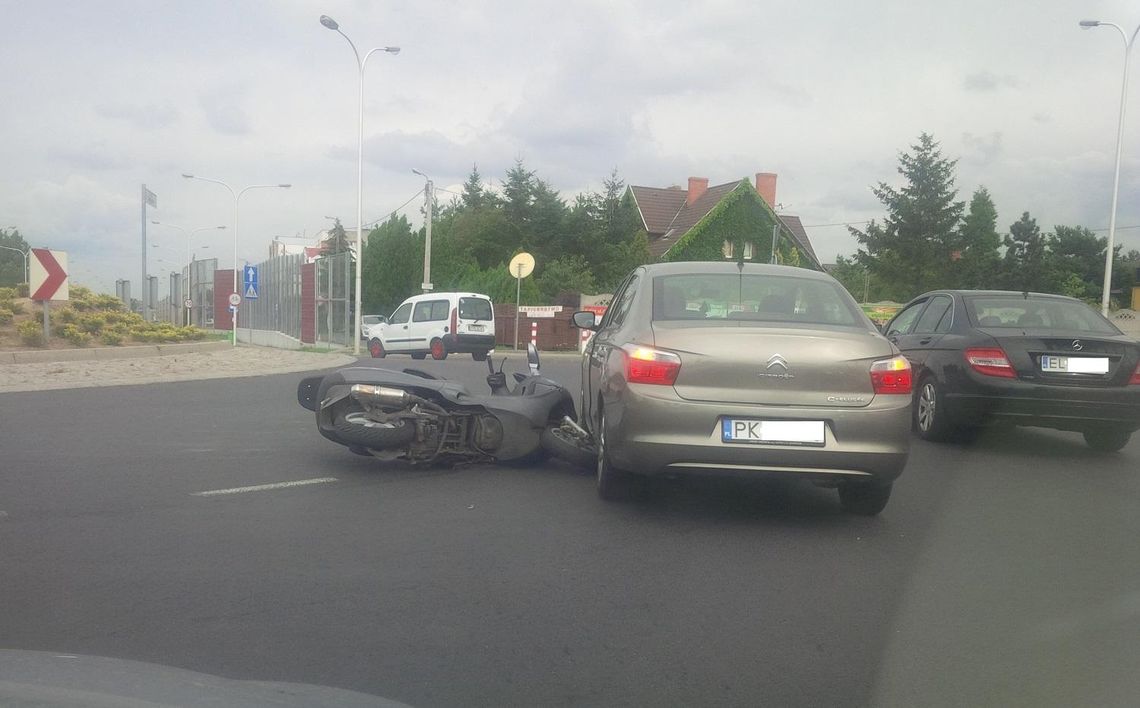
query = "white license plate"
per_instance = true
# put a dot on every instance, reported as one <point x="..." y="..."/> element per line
<point x="776" y="432"/>
<point x="474" y="328"/>
<point x="1075" y="364"/>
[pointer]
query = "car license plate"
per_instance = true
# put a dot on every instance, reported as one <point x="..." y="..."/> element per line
<point x="1075" y="364"/>
<point x="774" y="432"/>
<point x="475" y="328"/>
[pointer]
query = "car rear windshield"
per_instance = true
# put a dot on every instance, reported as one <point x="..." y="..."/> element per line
<point x="753" y="297"/>
<point x="474" y="308"/>
<point x="1018" y="312"/>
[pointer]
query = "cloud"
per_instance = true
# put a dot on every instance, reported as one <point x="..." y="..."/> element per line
<point x="982" y="149"/>
<point x="984" y="81"/>
<point x="143" y="117"/>
<point x="225" y="110"/>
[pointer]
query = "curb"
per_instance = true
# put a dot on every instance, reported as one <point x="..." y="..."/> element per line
<point x="42" y="356"/>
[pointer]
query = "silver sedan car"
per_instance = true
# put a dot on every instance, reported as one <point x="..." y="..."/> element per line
<point x="727" y="368"/>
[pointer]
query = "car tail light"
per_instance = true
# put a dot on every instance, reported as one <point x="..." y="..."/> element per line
<point x="1135" y="380"/>
<point x="646" y="365"/>
<point x="454" y="320"/>
<point x="891" y="375"/>
<point x="991" y="362"/>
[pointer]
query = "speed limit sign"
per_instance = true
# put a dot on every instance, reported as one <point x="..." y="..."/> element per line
<point x="235" y="299"/>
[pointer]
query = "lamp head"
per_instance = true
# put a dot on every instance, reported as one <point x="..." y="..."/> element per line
<point x="1085" y="24"/>
<point x="329" y="22"/>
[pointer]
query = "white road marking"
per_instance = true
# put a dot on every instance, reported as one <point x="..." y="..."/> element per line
<point x="265" y="487"/>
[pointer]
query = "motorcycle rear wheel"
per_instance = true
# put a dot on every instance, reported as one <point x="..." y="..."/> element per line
<point x="378" y="436"/>
<point x="567" y="447"/>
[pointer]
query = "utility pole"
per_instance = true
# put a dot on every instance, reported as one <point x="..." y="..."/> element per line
<point x="429" y="197"/>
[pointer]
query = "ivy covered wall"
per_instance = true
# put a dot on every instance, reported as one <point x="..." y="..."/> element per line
<point x="741" y="217"/>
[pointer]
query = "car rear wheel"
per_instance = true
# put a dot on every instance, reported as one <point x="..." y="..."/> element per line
<point x="438" y="351"/>
<point x="419" y="355"/>
<point x="614" y="484"/>
<point x="1107" y="439"/>
<point x="864" y="498"/>
<point x="479" y="356"/>
<point x="930" y="412"/>
<point x="376" y="349"/>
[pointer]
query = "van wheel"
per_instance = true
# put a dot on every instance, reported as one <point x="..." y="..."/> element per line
<point x="376" y="349"/>
<point x="438" y="351"/>
<point x="419" y="355"/>
<point x="479" y="356"/>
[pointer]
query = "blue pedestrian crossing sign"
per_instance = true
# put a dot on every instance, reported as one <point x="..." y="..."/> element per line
<point x="249" y="283"/>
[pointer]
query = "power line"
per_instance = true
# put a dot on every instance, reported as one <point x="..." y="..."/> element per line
<point x="391" y="214"/>
<point x="838" y="223"/>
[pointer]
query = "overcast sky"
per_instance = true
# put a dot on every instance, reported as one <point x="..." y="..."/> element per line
<point x="100" y="97"/>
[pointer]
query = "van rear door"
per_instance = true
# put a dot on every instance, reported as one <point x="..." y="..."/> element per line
<point x="475" y="316"/>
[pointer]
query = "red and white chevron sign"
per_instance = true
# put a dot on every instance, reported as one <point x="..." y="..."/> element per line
<point x="48" y="274"/>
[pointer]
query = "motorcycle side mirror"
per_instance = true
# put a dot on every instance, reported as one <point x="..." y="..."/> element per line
<point x="532" y="357"/>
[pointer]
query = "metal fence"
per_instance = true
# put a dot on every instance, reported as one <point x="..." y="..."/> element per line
<point x="334" y="299"/>
<point x="278" y="304"/>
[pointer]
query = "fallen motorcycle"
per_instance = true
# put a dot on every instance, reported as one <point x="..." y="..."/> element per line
<point x="415" y="416"/>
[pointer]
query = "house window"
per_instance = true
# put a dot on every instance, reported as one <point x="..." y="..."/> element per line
<point x="726" y="249"/>
<point x="747" y="250"/>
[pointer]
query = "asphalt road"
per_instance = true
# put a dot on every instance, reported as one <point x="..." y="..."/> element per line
<point x="1006" y="572"/>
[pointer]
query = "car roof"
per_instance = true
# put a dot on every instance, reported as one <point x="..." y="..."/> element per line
<point x="731" y="267"/>
<point x="997" y="293"/>
<point x="425" y="296"/>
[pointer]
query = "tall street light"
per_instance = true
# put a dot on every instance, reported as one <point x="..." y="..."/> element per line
<point x="1128" y="42"/>
<point x="237" y="229"/>
<point x="189" y="234"/>
<point x="27" y="278"/>
<point x="428" y="197"/>
<point x="332" y="25"/>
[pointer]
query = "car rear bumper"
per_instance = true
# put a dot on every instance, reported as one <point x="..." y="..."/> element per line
<point x="469" y="343"/>
<point x="1042" y="408"/>
<point x="653" y="431"/>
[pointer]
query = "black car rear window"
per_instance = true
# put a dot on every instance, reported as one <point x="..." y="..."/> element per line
<point x="474" y="308"/>
<point x="754" y="297"/>
<point x="1018" y="312"/>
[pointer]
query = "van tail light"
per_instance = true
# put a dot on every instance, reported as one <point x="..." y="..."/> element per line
<point x="891" y="375"/>
<point x="454" y="320"/>
<point x="990" y="361"/>
<point x="1135" y="380"/>
<point x="646" y="365"/>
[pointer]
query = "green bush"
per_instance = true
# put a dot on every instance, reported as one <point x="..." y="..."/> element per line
<point x="92" y="323"/>
<point x="66" y="315"/>
<point x="108" y="302"/>
<point x="31" y="333"/>
<point x="112" y="338"/>
<point x="75" y="335"/>
<point x="17" y="308"/>
<point x="5" y="315"/>
<point x="7" y="293"/>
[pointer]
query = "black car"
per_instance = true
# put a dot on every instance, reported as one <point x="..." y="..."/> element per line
<point x="983" y="357"/>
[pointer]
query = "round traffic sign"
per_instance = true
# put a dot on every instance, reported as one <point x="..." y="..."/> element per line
<point x="188" y="303"/>
<point x="235" y="299"/>
<point x="521" y="265"/>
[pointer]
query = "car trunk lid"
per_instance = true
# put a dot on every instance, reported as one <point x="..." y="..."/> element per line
<point x="743" y="362"/>
<point x="1039" y="355"/>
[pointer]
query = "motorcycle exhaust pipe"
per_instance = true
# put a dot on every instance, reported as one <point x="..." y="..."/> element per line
<point x="384" y="396"/>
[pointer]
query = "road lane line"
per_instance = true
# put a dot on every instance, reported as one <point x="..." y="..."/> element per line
<point x="264" y="487"/>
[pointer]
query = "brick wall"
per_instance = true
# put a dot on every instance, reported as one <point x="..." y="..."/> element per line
<point x="223" y="288"/>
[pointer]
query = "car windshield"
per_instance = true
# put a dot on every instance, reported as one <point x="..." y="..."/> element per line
<point x="474" y="308"/>
<point x="1038" y="313"/>
<point x="754" y="297"/>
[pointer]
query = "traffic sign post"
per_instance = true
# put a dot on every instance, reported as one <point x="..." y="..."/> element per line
<point x="235" y="301"/>
<point x="520" y="266"/>
<point x="47" y="280"/>
<point x="249" y="287"/>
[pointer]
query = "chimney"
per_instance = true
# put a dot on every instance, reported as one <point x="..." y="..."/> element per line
<point x="697" y="187"/>
<point x="766" y="187"/>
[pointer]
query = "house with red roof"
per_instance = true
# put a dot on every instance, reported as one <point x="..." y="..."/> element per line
<point x="731" y="221"/>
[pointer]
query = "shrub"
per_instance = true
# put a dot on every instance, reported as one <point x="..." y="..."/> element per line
<point x="31" y="333"/>
<point x="66" y="315"/>
<point x="5" y="315"/>
<point x="112" y="338"/>
<point x="75" y="335"/>
<point x="7" y="293"/>
<point x="17" y="308"/>
<point x="22" y="290"/>
<point x="92" y="323"/>
<point x="108" y="302"/>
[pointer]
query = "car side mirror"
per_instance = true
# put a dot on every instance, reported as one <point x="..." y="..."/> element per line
<point x="585" y="320"/>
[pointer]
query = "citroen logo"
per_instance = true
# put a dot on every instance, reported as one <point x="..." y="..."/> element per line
<point x="1077" y="345"/>
<point x="777" y="368"/>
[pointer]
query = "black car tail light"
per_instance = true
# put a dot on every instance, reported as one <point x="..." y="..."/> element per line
<point x="990" y="361"/>
<point x="1135" y="380"/>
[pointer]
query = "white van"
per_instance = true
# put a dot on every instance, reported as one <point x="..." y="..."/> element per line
<point x="438" y="324"/>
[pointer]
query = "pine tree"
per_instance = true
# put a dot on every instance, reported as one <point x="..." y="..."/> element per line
<point x="1025" y="256"/>
<point x="911" y="250"/>
<point x="980" y="265"/>
<point x="474" y="194"/>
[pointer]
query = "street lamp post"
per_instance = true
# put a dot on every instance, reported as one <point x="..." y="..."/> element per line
<point x="189" y="234"/>
<point x="237" y="229"/>
<point x="27" y="277"/>
<point x="331" y="24"/>
<point x="428" y="198"/>
<point x="1128" y="42"/>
